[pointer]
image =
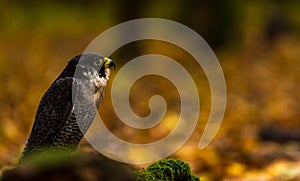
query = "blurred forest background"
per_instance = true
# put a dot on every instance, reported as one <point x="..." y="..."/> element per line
<point x="258" y="46"/>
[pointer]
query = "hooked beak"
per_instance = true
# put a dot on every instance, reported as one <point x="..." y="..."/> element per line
<point x="109" y="63"/>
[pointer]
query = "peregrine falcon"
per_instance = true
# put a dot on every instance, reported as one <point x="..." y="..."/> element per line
<point x="70" y="104"/>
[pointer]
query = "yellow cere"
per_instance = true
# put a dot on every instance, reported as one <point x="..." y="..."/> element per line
<point x="107" y="61"/>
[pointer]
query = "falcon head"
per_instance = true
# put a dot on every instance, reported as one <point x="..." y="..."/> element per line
<point x="93" y="63"/>
<point x="89" y="66"/>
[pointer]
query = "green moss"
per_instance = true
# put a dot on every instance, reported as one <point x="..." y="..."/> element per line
<point x="167" y="169"/>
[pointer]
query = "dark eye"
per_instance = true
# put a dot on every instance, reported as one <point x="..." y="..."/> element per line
<point x="98" y="62"/>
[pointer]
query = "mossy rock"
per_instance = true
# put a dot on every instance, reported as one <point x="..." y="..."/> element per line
<point x="167" y="169"/>
<point x="93" y="166"/>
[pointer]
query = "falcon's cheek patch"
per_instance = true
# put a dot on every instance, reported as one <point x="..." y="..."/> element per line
<point x="102" y="72"/>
